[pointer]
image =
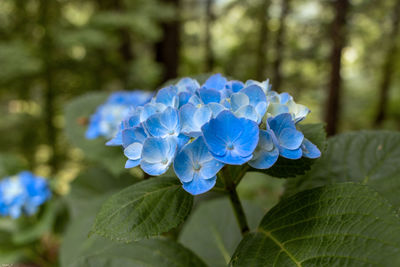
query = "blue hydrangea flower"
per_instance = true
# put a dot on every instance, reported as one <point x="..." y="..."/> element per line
<point x="202" y="127"/>
<point x="286" y="137"/>
<point x="231" y="140"/>
<point x="196" y="167"/>
<point x="23" y="193"/>
<point x="163" y="124"/>
<point x="107" y="118"/>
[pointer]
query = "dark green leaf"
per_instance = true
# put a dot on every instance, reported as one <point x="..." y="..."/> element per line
<point x="212" y="231"/>
<point x="153" y="252"/>
<point x="77" y="113"/>
<point x="339" y="225"/>
<point x="145" y="209"/>
<point x="368" y="157"/>
<point x="286" y="168"/>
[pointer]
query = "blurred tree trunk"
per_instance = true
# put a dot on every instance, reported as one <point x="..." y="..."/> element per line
<point x="49" y="109"/>
<point x="125" y="40"/>
<point x="209" y="54"/>
<point x="280" y="46"/>
<point x="338" y="38"/>
<point x="388" y="66"/>
<point x="167" y="49"/>
<point x="261" y="52"/>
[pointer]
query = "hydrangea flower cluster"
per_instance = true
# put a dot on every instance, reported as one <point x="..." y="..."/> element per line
<point x="22" y="193"/>
<point x="200" y="128"/>
<point x="105" y="121"/>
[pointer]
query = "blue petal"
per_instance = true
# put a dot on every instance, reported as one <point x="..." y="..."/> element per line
<point x="168" y="96"/>
<point x="209" y="95"/>
<point x="229" y="139"/>
<point x="290" y="154"/>
<point x="266" y="154"/>
<point x="157" y="155"/>
<point x="232" y="157"/>
<point x="239" y="100"/>
<point x="199" y="186"/>
<point x="116" y="141"/>
<point x="234" y="86"/>
<point x="195" y="159"/>
<point x="275" y="109"/>
<point x="132" y="163"/>
<point x="216" y="109"/>
<point x="183" y="165"/>
<point x="132" y="135"/>
<point x="151" y="109"/>
<point x="285" y="97"/>
<point x="290" y="138"/>
<point x="310" y="150"/>
<point x="133" y="151"/>
<point x="216" y="81"/>
<point x="187" y="84"/>
<point x="182" y="140"/>
<point x="248" y="112"/>
<point x="193" y="118"/>
<point x="184" y="98"/>
<point x="163" y="124"/>
<point x="281" y="122"/>
<point x="257" y="98"/>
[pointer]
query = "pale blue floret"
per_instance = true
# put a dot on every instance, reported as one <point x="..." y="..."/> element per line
<point x="132" y="141"/>
<point x="284" y="103"/>
<point x="22" y="194"/>
<point x="266" y="153"/>
<point x="286" y="137"/>
<point x="250" y="103"/>
<point x="193" y="118"/>
<point x="163" y="124"/>
<point x="196" y="168"/>
<point x="168" y="96"/>
<point x="265" y="85"/>
<point x="158" y="154"/>
<point x="231" y="140"/>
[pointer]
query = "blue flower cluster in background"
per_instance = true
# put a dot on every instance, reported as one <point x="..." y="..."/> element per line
<point x="22" y="193"/>
<point x="200" y="128"/>
<point x="107" y="118"/>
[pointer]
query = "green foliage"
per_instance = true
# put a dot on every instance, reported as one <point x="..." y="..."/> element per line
<point x="368" y="157"/>
<point x="212" y="231"/>
<point x="152" y="252"/>
<point x="145" y="209"/>
<point x="77" y="112"/>
<point x="339" y="225"/>
<point x="10" y="165"/>
<point x="285" y="168"/>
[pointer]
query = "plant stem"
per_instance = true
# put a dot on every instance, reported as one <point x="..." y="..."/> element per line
<point x="235" y="201"/>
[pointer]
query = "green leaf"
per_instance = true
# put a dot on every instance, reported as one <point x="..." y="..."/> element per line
<point x="212" y="231"/>
<point x="286" y="168"/>
<point x="145" y="209"/>
<point x="339" y="225"/>
<point x="77" y="112"/>
<point x="368" y="157"/>
<point x="94" y="183"/>
<point x="152" y="252"/>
